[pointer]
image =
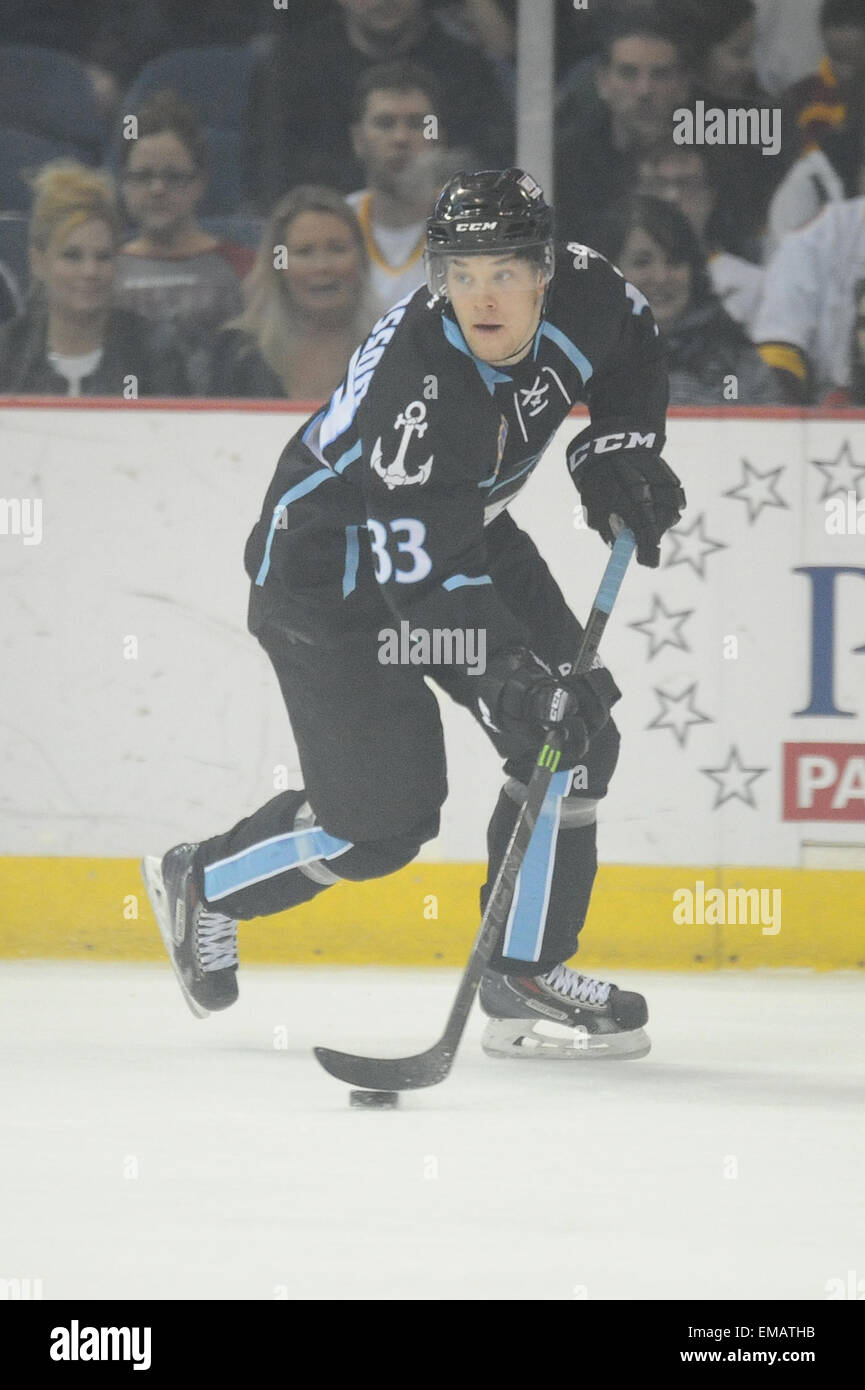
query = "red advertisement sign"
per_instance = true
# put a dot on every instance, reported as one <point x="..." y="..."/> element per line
<point x="824" y="781"/>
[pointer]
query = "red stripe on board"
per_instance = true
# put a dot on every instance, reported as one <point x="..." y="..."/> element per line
<point x="185" y="403"/>
<point x="270" y="407"/>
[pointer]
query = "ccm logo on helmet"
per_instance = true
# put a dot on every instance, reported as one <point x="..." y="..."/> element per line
<point x="606" y="443"/>
<point x="477" y="226"/>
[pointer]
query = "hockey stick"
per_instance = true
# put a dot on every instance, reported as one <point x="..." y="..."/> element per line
<point x="430" y="1067"/>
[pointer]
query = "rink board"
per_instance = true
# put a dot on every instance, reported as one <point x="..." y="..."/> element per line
<point x="427" y="914"/>
<point x="138" y="711"/>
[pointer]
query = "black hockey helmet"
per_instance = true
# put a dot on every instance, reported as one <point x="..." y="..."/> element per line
<point x="488" y="212"/>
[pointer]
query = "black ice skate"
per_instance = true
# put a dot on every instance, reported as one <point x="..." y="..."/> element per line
<point x="201" y="943"/>
<point x="561" y="1014"/>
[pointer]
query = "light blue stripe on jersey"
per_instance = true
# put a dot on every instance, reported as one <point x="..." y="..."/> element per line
<point x="299" y="490"/>
<point x="489" y="375"/>
<point x="352" y="556"/>
<point x="571" y="351"/>
<point x="348" y="457"/>
<point x="524" y="933"/>
<point x="459" y="581"/>
<point x="506" y="482"/>
<point x="269" y="858"/>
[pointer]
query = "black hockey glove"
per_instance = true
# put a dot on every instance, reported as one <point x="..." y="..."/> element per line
<point x="517" y="698"/>
<point x="643" y="491"/>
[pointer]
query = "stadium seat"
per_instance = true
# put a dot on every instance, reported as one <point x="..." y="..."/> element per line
<point x="20" y="153"/>
<point x="225" y="182"/>
<point x="214" y="79"/>
<point x="49" y="94"/>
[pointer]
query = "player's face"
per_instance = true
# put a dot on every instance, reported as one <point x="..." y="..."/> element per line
<point x="666" y="285"/>
<point x="78" y="272"/>
<point x="323" y="270"/>
<point x="642" y="85"/>
<point x="390" y="136"/>
<point x="497" y="301"/>
<point x="161" y="185"/>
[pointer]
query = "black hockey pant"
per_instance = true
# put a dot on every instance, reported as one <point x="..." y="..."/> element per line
<point x="370" y="743"/>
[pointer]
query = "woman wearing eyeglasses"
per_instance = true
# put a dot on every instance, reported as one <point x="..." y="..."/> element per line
<point x="173" y="270"/>
<point x="71" y="338"/>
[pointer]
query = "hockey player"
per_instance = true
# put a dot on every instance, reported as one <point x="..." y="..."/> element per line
<point x="390" y="506"/>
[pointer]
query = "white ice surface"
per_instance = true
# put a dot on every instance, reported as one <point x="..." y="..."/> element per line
<point x="512" y="1180"/>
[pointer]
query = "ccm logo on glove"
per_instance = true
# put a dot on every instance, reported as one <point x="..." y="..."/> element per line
<point x="638" y="487"/>
<point x="606" y="443"/>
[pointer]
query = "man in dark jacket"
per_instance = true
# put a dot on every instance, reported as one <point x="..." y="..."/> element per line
<point x="641" y="80"/>
<point x="302" y="98"/>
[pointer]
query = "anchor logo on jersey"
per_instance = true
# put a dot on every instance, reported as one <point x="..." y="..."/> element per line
<point x="411" y="421"/>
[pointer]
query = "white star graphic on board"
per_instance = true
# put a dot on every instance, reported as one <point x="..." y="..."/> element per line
<point x="692" y="547"/>
<point x="678" y="713"/>
<point x="734" y="780"/>
<point x="842" y="475"/>
<point x="757" y="490"/>
<point x="663" y="629"/>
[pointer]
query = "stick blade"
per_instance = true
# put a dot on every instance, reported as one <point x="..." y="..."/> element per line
<point x="388" y="1073"/>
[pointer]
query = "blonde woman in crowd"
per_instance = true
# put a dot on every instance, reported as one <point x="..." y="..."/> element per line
<point x="308" y="303"/>
<point x="71" y="339"/>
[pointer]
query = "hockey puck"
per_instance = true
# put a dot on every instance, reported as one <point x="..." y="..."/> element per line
<point x="374" y="1100"/>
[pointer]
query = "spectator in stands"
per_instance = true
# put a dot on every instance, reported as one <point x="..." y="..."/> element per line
<point x="641" y="81"/>
<point x="788" y="42"/>
<point x="173" y="271"/>
<point x="820" y="106"/>
<point x="302" y="94"/>
<point x="722" y="39"/>
<point x="805" y="324"/>
<point x="811" y="183"/>
<point x="711" y="361"/>
<point x="826" y="115"/>
<point x="308" y="303"/>
<point x="681" y="174"/>
<point x="404" y="173"/>
<point x="579" y="35"/>
<point x="72" y="340"/>
<point x="488" y="23"/>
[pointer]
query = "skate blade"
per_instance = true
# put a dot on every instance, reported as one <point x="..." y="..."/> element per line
<point x="524" y="1038"/>
<point x="151" y="872"/>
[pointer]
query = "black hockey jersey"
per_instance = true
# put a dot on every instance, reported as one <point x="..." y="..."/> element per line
<point x="379" y="503"/>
